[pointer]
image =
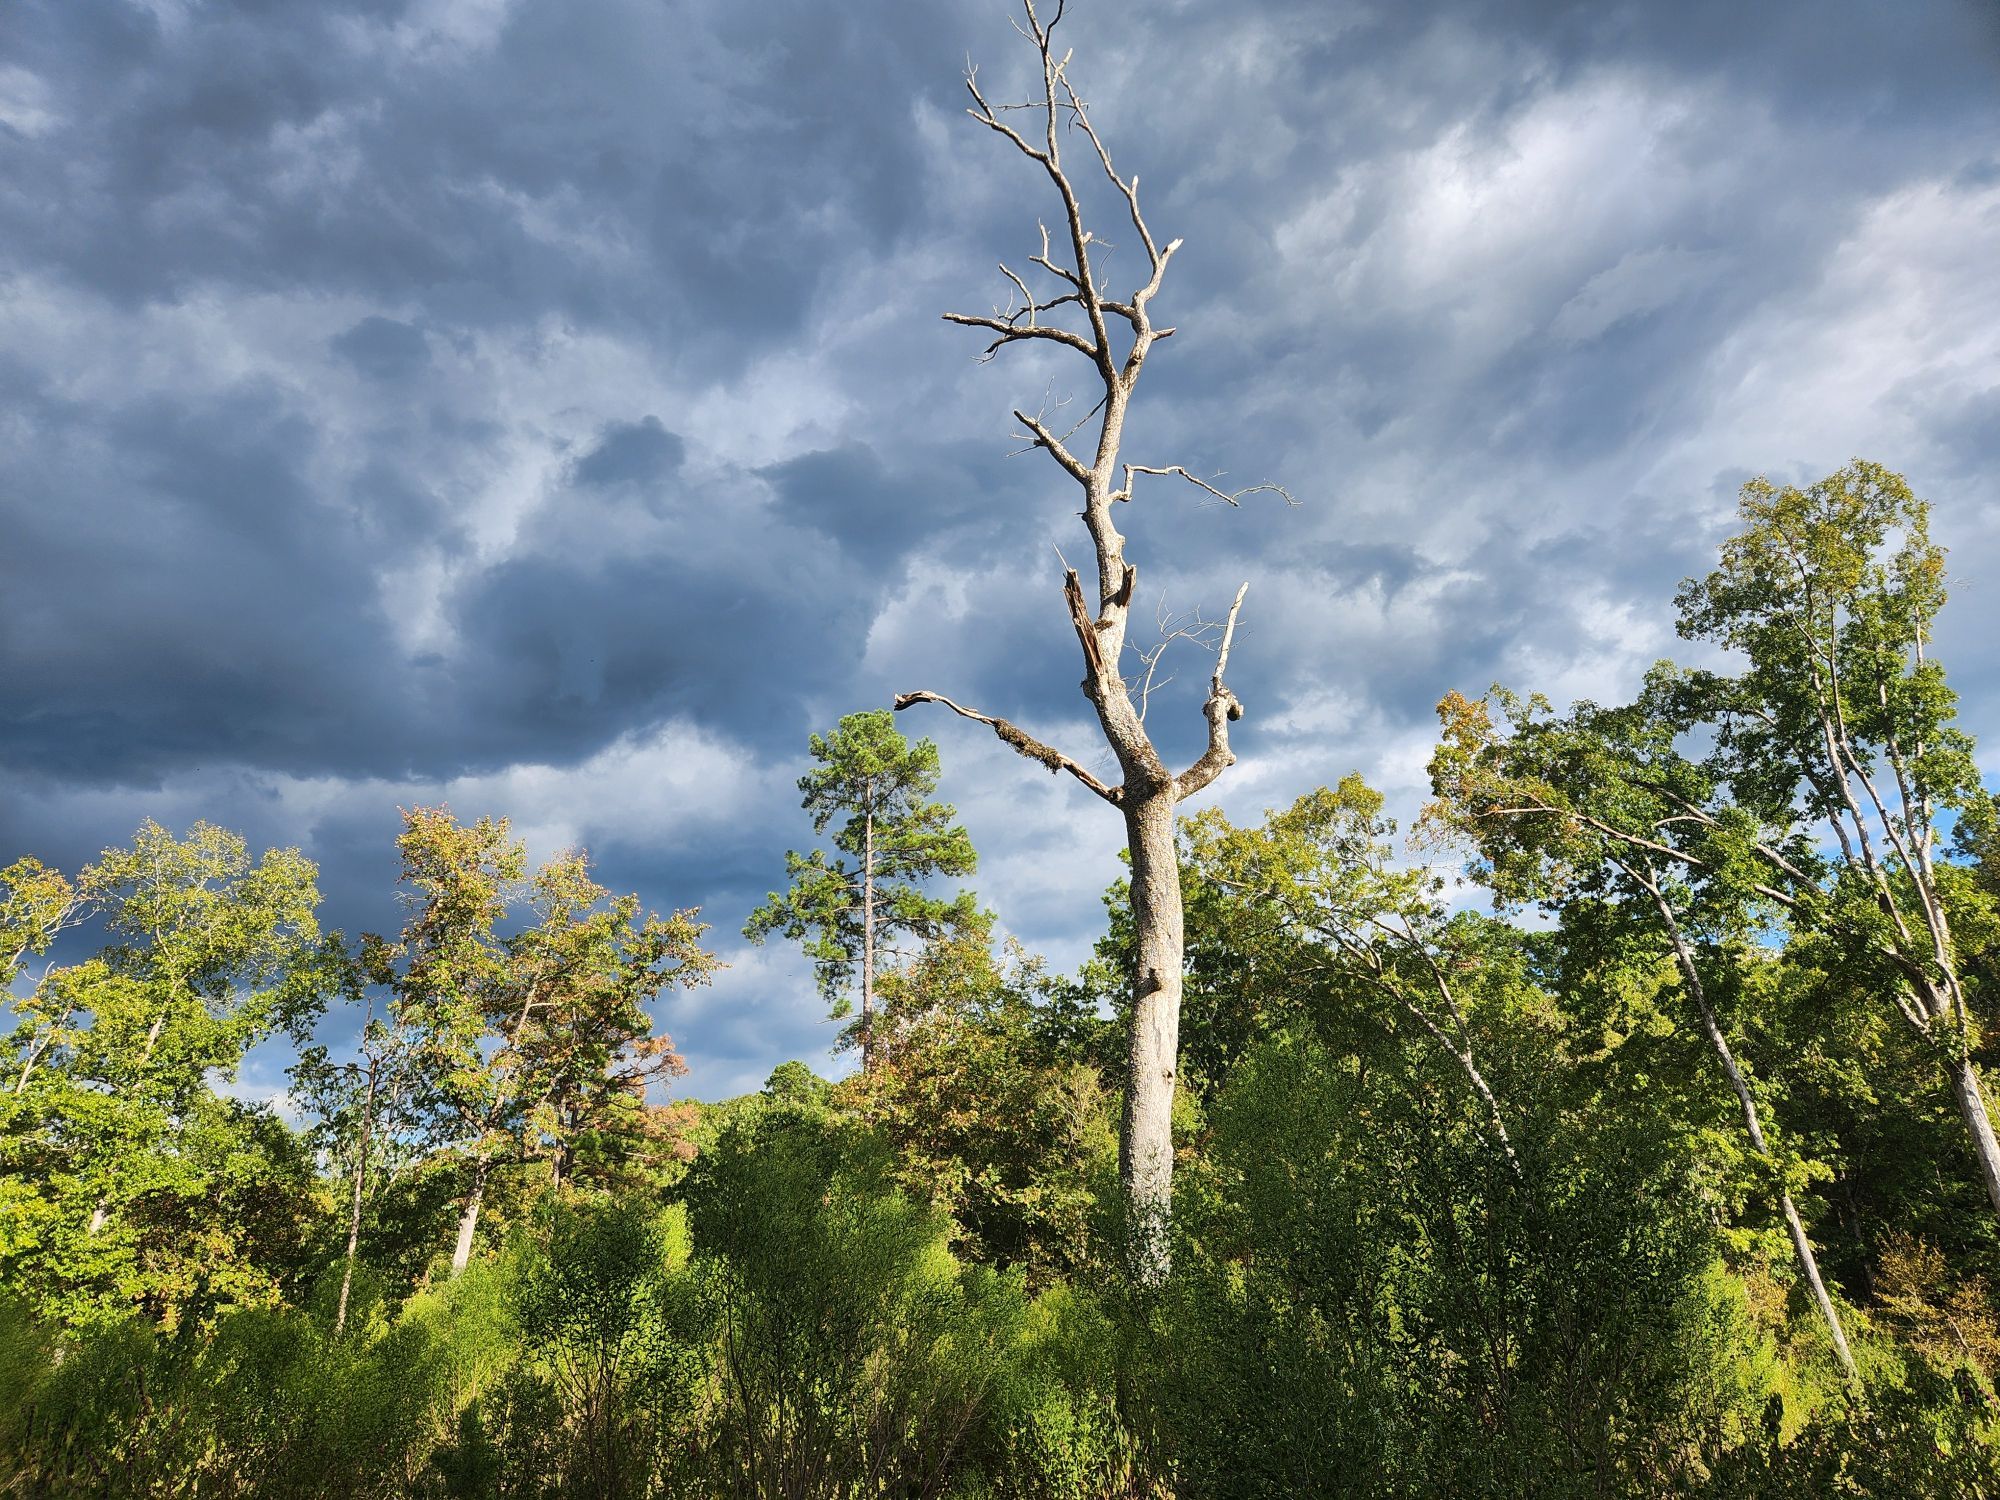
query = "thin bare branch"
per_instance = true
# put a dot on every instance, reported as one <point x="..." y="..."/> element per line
<point x="1228" y="497"/>
<point x="1011" y="332"/>
<point x="984" y="115"/>
<point x="1043" y="438"/>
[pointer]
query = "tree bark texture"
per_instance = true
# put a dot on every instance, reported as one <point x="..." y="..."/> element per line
<point x="1146" y="1136"/>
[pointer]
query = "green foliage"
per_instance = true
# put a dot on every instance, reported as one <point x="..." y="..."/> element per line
<point x="126" y="1180"/>
<point x="857" y="1355"/>
<point x="1464" y="1205"/>
<point x="1369" y="1302"/>
<point x="986" y="1116"/>
<point x="538" y="1040"/>
<point x="265" y="1404"/>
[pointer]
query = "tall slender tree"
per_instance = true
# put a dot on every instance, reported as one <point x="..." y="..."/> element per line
<point x="1841" y="725"/>
<point x="442" y="972"/>
<point x="850" y="907"/>
<point x="540" y="1037"/>
<point x="217" y="951"/>
<point x="1070" y="305"/>
<point x="1596" y="816"/>
<point x="363" y="1105"/>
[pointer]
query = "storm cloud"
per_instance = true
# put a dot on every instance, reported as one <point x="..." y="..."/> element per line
<point x="545" y="407"/>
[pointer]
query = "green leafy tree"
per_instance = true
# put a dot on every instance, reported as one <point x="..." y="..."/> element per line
<point x="849" y="906"/>
<point x="536" y="1041"/>
<point x="1322" y="871"/>
<point x="365" y="1109"/>
<point x="129" y="1178"/>
<point x="36" y="903"/>
<point x="442" y="973"/>
<point x="580" y="978"/>
<point x="1599" y="818"/>
<point x="1842" y="720"/>
<point x="987" y="1116"/>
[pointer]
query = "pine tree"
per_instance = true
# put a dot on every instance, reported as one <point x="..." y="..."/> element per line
<point x="849" y="906"/>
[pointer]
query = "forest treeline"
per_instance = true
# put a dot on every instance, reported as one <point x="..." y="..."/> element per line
<point x="1674" y="1172"/>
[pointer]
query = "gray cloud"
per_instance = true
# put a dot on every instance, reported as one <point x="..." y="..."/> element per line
<point x="545" y="406"/>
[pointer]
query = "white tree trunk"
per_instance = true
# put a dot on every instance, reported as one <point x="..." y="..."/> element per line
<point x="868" y="942"/>
<point x="1146" y="1139"/>
<point x="1150" y="792"/>
<point x="354" y="1207"/>
<point x="468" y="1218"/>
<point x="1965" y="1088"/>
<point x="1753" y="1127"/>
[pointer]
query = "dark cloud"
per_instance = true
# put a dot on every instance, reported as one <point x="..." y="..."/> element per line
<point x="641" y="452"/>
<point x="384" y="348"/>
<point x="545" y="406"/>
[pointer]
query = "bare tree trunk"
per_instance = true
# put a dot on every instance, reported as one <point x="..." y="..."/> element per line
<point x="468" y="1218"/>
<point x="1965" y="1088"/>
<point x="1146" y="1136"/>
<point x="867" y="941"/>
<point x="354" y="1208"/>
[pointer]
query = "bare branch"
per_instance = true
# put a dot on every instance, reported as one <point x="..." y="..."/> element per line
<point x="984" y="115"/>
<point x="1080" y="117"/>
<point x="1026" y="744"/>
<point x="1222" y="709"/>
<point x="1043" y="438"/>
<point x="1226" y="496"/>
<point x="1049" y="265"/>
<point x="1012" y="332"/>
<point x="1172" y="628"/>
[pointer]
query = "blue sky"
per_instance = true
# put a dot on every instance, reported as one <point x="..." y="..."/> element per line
<point x="544" y="406"/>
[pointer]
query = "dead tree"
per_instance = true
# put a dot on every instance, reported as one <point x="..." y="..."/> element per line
<point x="1074" y="309"/>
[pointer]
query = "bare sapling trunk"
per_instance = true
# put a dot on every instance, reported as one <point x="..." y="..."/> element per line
<point x="868" y="942"/>
<point x="354" y="1206"/>
<point x="1149" y="793"/>
<point x="468" y="1215"/>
